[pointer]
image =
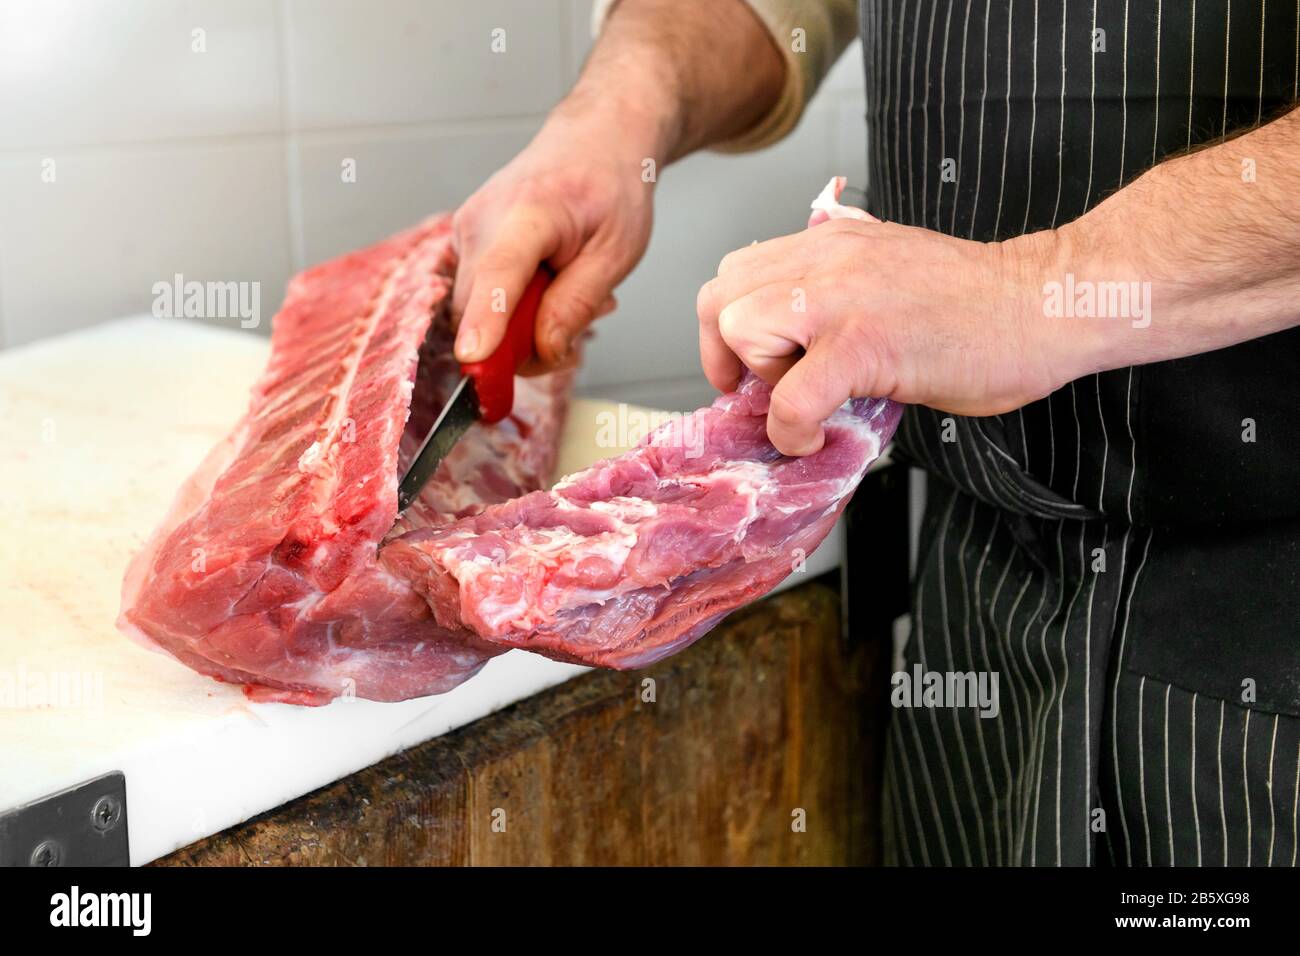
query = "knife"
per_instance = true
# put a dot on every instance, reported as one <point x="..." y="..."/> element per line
<point x="485" y="392"/>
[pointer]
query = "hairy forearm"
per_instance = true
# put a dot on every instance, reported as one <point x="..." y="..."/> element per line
<point x="1212" y="236"/>
<point x="678" y="75"/>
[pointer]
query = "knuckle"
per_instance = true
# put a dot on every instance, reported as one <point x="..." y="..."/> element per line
<point x="858" y="350"/>
<point x="496" y="260"/>
<point x="572" y="312"/>
<point x="706" y="299"/>
<point x="532" y="189"/>
<point x="789" y="406"/>
<point x="470" y="215"/>
<point x="731" y="324"/>
<point x="583" y="301"/>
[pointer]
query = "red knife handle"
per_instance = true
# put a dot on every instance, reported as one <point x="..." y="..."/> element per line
<point x="494" y="377"/>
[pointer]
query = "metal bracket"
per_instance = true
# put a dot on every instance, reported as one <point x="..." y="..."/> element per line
<point x="84" y="825"/>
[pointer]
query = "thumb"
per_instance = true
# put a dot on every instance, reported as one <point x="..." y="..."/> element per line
<point x="820" y="382"/>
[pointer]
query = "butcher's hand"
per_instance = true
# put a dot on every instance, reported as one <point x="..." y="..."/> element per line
<point x="851" y="309"/>
<point x="575" y="199"/>
<point x="664" y="78"/>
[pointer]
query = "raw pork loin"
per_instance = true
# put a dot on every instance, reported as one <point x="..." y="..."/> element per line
<point x="282" y="564"/>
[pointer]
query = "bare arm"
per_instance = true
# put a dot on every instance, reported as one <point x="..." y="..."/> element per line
<point x="700" y="72"/>
<point x="1216" y="233"/>
<point x="665" y="77"/>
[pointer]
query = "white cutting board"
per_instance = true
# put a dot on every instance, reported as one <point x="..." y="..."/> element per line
<point x="97" y="430"/>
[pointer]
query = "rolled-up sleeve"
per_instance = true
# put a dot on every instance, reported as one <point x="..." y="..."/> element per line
<point x="811" y="35"/>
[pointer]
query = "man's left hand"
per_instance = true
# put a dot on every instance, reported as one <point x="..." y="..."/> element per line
<point x="849" y="309"/>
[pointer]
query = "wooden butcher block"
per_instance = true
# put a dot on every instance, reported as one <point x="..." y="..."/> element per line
<point x="97" y="430"/>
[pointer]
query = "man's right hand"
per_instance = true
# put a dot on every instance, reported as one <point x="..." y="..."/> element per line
<point x="665" y="77"/>
<point x="576" y="199"/>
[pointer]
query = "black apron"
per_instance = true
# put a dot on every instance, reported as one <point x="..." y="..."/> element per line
<point x="1116" y="553"/>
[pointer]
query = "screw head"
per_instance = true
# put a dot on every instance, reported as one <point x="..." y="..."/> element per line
<point x="46" y="854"/>
<point x="106" y="814"/>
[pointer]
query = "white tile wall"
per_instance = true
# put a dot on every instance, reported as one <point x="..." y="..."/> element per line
<point x="401" y="174"/>
<point x="225" y="164"/>
<point x="90" y="245"/>
<point x="421" y="61"/>
<point x="86" y="72"/>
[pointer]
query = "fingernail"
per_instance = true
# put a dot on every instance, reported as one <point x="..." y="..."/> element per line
<point x="559" y="344"/>
<point x="467" y="343"/>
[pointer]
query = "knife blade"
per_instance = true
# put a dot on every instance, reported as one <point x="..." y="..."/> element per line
<point x="485" y="393"/>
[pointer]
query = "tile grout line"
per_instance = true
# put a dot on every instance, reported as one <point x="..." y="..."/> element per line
<point x="465" y="126"/>
<point x="290" y="153"/>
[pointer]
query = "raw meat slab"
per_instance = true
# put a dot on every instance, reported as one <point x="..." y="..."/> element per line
<point x="282" y="564"/>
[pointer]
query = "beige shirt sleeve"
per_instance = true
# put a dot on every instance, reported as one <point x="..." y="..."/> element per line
<point x="811" y="35"/>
